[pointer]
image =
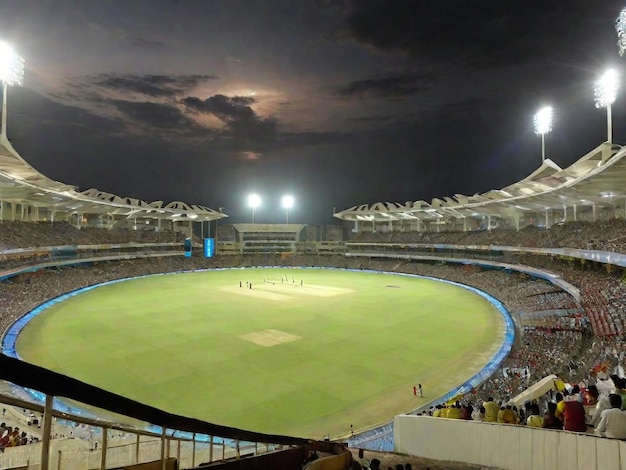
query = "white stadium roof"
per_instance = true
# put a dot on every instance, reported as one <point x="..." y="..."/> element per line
<point x="598" y="178"/>
<point x="20" y="183"/>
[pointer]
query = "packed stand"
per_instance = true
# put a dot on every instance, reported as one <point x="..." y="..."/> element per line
<point x="38" y="234"/>
<point x="605" y="235"/>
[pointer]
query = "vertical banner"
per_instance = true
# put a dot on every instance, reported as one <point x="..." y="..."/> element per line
<point x="187" y="247"/>
<point x="209" y="247"/>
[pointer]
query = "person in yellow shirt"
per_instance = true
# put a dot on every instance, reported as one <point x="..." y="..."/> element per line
<point x="560" y="406"/>
<point x="454" y="412"/>
<point x="535" y="419"/>
<point x="491" y="410"/>
<point x="507" y="415"/>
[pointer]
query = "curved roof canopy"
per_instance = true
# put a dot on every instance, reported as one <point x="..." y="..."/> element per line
<point x="21" y="183"/>
<point x="599" y="177"/>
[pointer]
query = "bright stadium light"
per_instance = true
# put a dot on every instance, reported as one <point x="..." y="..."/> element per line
<point x="254" y="201"/>
<point x="543" y="125"/>
<point x="287" y="202"/>
<point x="620" y="26"/>
<point x="11" y="73"/>
<point x="605" y="91"/>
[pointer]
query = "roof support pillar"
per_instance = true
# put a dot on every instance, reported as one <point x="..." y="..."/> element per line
<point x="1" y="211"/>
<point x="517" y="217"/>
<point x="575" y="215"/>
<point x="547" y="222"/>
<point x="489" y="223"/>
<point x="465" y="224"/>
<point x="12" y="212"/>
<point x="594" y="211"/>
<point x="47" y="429"/>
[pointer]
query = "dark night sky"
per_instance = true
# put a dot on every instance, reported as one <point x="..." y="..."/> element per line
<point x="336" y="102"/>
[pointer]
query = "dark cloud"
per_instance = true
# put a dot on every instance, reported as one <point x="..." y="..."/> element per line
<point x="223" y="107"/>
<point x="158" y="115"/>
<point x="153" y="85"/>
<point x="241" y="120"/>
<point x="136" y="85"/>
<point x="368" y="119"/>
<point x="392" y="87"/>
<point x="480" y="32"/>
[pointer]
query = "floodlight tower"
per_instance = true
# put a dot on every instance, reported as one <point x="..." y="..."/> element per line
<point x="543" y="125"/>
<point x="287" y="202"/>
<point x="605" y="92"/>
<point x="254" y="201"/>
<point x="620" y="27"/>
<point x="11" y="73"/>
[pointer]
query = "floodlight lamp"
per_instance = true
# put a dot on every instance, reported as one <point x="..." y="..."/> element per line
<point x="543" y="120"/>
<point x="620" y="27"/>
<point x="254" y="200"/>
<point x="288" y="202"/>
<point x="11" y="65"/>
<point x="606" y="87"/>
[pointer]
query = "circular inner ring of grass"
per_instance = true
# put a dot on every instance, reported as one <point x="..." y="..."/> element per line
<point x="301" y="352"/>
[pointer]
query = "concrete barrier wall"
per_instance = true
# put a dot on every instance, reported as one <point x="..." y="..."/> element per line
<point x="505" y="446"/>
<point x="75" y="454"/>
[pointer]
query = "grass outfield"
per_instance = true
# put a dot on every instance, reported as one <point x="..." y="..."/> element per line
<point x="344" y="348"/>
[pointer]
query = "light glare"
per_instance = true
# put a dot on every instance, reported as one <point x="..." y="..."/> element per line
<point x="606" y="87"/>
<point x="288" y="202"/>
<point x="254" y="200"/>
<point x="543" y="120"/>
<point x="11" y="65"/>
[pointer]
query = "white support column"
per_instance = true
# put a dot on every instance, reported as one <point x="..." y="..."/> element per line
<point x="103" y="455"/>
<point x="575" y="214"/>
<point x="547" y="224"/>
<point x="489" y="223"/>
<point x="517" y="217"/>
<point x="2" y="211"/>
<point x="193" y="451"/>
<point x="595" y="215"/>
<point x="163" y="465"/>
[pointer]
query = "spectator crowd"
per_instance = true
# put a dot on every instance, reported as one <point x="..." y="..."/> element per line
<point x="556" y="333"/>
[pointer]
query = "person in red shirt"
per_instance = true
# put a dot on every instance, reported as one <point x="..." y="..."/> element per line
<point x="574" y="417"/>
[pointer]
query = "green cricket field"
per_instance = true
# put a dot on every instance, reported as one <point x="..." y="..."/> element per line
<point x="302" y="352"/>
